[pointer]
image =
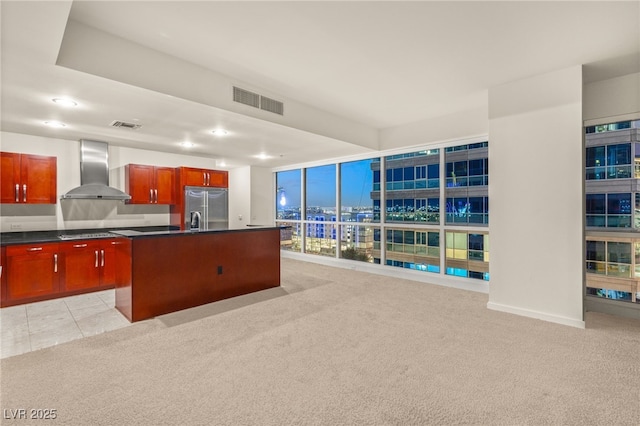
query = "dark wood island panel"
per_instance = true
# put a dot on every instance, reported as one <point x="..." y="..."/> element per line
<point x="176" y="271"/>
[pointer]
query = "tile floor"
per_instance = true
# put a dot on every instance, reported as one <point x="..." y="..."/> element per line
<point x="39" y="325"/>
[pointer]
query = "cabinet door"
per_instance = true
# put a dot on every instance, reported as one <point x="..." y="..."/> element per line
<point x="164" y="185"/>
<point x="38" y="175"/>
<point x="139" y="183"/>
<point x="193" y="177"/>
<point x="10" y="177"/>
<point x="217" y="178"/>
<point x="81" y="265"/>
<point x="108" y="262"/>
<point x="32" y="271"/>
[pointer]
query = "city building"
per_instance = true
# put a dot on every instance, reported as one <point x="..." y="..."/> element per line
<point x="612" y="177"/>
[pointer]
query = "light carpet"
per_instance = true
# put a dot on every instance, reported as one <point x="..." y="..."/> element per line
<point x="334" y="346"/>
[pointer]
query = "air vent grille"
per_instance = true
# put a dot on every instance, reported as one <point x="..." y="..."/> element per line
<point x="124" y="124"/>
<point x="271" y="105"/>
<point x="257" y="101"/>
<point x="246" y="97"/>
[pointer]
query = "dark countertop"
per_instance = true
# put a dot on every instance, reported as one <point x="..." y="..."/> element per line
<point x="135" y="234"/>
<point x="13" y="238"/>
<point x="56" y="236"/>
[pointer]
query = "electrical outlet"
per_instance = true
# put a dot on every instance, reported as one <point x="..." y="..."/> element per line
<point x="15" y="226"/>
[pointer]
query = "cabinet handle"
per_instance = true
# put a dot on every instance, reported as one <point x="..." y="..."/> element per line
<point x="151" y="195"/>
<point x="24" y="192"/>
<point x="17" y="193"/>
<point x="34" y="249"/>
<point x="96" y="265"/>
<point x="208" y="178"/>
<point x="155" y="192"/>
<point x="204" y="178"/>
<point x="101" y="257"/>
<point x="55" y="262"/>
<point x="79" y="245"/>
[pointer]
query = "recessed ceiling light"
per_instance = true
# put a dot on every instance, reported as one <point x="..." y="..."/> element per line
<point x="54" y="124"/>
<point x="65" y="102"/>
<point x="262" y="156"/>
<point x="219" y="132"/>
<point x="187" y="144"/>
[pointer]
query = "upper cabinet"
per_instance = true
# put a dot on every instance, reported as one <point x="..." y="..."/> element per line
<point x="190" y="176"/>
<point x="150" y="184"/>
<point x="27" y="179"/>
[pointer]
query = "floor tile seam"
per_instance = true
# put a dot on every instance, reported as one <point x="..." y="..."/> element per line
<point x="75" y="321"/>
<point x="26" y="313"/>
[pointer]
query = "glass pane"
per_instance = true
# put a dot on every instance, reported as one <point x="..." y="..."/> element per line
<point x="619" y="204"/>
<point x="356" y="186"/>
<point x="321" y="193"/>
<point x="321" y="239"/>
<point x="619" y="154"/>
<point x="288" y="186"/>
<point x="595" y="204"/>
<point x="290" y="237"/>
<point x="476" y="167"/>
<point x="595" y="156"/>
<point x="357" y="242"/>
<point x="619" y="252"/>
<point x="460" y="240"/>
<point x="596" y="251"/>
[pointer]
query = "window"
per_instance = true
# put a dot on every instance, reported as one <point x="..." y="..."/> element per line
<point x="608" y="162"/>
<point x="413" y="249"/>
<point x="413" y="187"/>
<point x="468" y="210"/>
<point x="401" y="226"/>
<point x="467" y="255"/>
<point x="321" y="234"/>
<point x="288" y="195"/>
<point x="357" y="180"/>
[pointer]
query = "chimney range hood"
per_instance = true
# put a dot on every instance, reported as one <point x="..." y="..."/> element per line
<point x="94" y="174"/>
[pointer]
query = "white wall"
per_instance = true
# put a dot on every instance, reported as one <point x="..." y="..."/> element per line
<point x="239" y="197"/>
<point x="616" y="99"/>
<point x="251" y="193"/>
<point x="536" y="193"/>
<point x="460" y="125"/>
<point x="84" y="214"/>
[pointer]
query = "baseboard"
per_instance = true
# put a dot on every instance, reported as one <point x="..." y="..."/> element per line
<point x="536" y="314"/>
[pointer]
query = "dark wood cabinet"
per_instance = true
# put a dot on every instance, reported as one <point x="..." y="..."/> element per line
<point x="150" y="184"/>
<point x="190" y="176"/>
<point x="179" y="271"/>
<point x="88" y="264"/>
<point x="27" y="179"/>
<point x="32" y="271"/>
<point x="37" y="272"/>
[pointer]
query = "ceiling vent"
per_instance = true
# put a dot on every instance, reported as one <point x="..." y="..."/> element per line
<point x="125" y="125"/>
<point x="271" y="105"/>
<point x="257" y="101"/>
<point x="246" y="97"/>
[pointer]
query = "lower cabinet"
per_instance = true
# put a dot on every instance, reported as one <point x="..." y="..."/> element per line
<point x="31" y="271"/>
<point x="87" y="264"/>
<point x="46" y="271"/>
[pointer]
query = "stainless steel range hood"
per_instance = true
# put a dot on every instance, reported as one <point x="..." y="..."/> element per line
<point x="94" y="174"/>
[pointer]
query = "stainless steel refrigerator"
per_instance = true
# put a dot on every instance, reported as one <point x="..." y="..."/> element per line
<point x="206" y="208"/>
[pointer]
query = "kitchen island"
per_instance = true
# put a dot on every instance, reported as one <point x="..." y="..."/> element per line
<point x="175" y="270"/>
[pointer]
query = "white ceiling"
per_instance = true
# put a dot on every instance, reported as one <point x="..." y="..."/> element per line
<point x="374" y="64"/>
